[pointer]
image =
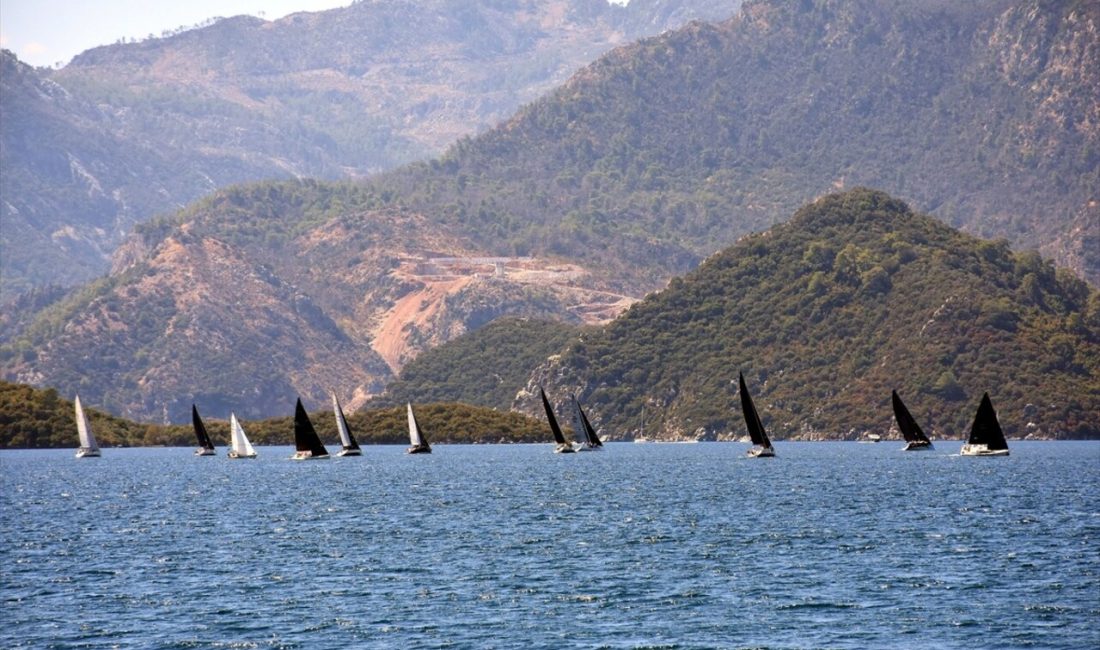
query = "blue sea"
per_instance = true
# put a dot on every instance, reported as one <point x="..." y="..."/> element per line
<point x="830" y="545"/>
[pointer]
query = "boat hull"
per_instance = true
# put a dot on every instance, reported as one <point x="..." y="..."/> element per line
<point x="761" y="452"/>
<point x="306" y="455"/>
<point x="564" y="449"/>
<point x="418" y="450"/>
<point x="202" y="451"/>
<point x="234" y="455"/>
<point x="917" y="446"/>
<point x="87" y="453"/>
<point x="981" y="450"/>
<point x="349" y="452"/>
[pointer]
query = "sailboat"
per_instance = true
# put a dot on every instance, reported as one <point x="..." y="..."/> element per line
<point x="761" y="446"/>
<point x="915" y="440"/>
<point x="582" y="425"/>
<point x="88" y="446"/>
<point x="206" y="447"/>
<point x="562" y="446"/>
<point x="986" y="437"/>
<point x="306" y="440"/>
<point x="418" y="444"/>
<point x="351" y="447"/>
<point x="239" y="446"/>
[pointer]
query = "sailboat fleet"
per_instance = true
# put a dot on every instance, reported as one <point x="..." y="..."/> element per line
<point x="986" y="436"/>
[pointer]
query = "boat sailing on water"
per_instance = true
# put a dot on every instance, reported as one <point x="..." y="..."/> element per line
<point x="418" y="444"/>
<point x="206" y="446"/>
<point x="350" y="446"/>
<point x="761" y="445"/>
<point x="986" y="437"/>
<point x="915" y="440"/>
<point x="561" y="446"/>
<point x="239" y="446"/>
<point x="88" y="446"/>
<point x="306" y="441"/>
<point x="582" y="426"/>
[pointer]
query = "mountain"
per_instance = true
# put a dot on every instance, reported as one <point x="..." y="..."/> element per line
<point x="38" y="418"/>
<point x="130" y="130"/>
<point x="263" y="292"/>
<point x="985" y="114"/>
<point x="642" y="165"/>
<point x="486" y="367"/>
<point x="825" y="314"/>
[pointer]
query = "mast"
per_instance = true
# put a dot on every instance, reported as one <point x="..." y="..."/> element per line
<point x="558" y="436"/>
<point x="986" y="430"/>
<point x="305" y="436"/>
<point x="908" y="426"/>
<point x="752" y="418"/>
<point x="346" y="439"/>
<point x="200" y="429"/>
<point x="84" y="428"/>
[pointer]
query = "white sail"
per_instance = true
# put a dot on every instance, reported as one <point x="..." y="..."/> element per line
<point x="341" y="423"/>
<point x="414" y="430"/>
<point x="84" y="430"/>
<point x="239" y="444"/>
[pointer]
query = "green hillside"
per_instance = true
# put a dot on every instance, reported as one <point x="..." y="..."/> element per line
<point x="825" y="314"/>
<point x="485" y="367"/>
<point x="39" y="418"/>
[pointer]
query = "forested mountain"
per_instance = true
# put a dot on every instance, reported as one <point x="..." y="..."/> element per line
<point x="825" y="314"/>
<point x="37" y="418"/>
<point x="130" y="130"/>
<point x="643" y="164"/>
<point x="985" y="114"/>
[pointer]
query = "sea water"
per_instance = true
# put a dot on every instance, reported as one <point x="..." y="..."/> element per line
<point x="830" y="545"/>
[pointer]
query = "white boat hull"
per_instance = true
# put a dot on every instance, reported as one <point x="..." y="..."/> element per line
<point x="306" y="455"/>
<point x="761" y="452"/>
<point x="981" y="450"/>
<point x="917" y="446"/>
<point x="417" y="449"/>
<point x="349" y="452"/>
<point x="203" y="451"/>
<point x="87" y="453"/>
<point x="564" y="449"/>
<point x="235" y="455"/>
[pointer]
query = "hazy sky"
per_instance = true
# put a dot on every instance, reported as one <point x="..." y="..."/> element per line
<point x="43" y="32"/>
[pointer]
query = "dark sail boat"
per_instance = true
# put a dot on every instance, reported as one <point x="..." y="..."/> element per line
<point x="761" y="446"/>
<point x="562" y="446"/>
<point x="582" y="425"/>
<point x="915" y="440"/>
<point x="986" y="437"/>
<point x="418" y="444"/>
<point x="347" y="441"/>
<point x="306" y="440"/>
<point x="206" y="447"/>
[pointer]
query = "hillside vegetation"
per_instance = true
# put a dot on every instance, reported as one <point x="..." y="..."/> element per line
<point x="854" y="296"/>
<point x="486" y="367"/>
<point x="39" y="418"/>
<point x="130" y="130"/>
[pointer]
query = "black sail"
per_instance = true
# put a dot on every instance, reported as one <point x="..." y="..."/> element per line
<point x="305" y="436"/>
<point x="909" y="427"/>
<point x="559" y="437"/>
<point x="343" y="423"/>
<point x="200" y="429"/>
<point x="986" y="430"/>
<point x="589" y="431"/>
<point x="752" y="418"/>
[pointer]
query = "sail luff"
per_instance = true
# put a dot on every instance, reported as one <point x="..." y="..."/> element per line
<point x="84" y="428"/>
<point x="908" y="426"/>
<point x="559" y="437"/>
<point x="346" y="439"/>
<point x="986" y="429"/>
<point x="752" y="418"/>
